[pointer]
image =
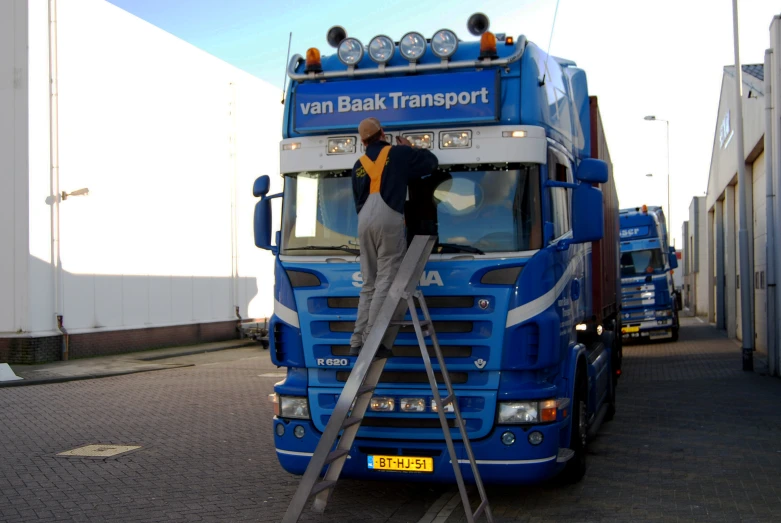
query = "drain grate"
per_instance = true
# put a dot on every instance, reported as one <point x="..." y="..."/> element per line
<point x="99" y="451"/>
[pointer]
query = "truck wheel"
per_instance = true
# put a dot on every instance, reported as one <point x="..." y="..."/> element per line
<point x="676" y="326"/>
<point x="575" y="468"/>
<point x="615" y="357"/>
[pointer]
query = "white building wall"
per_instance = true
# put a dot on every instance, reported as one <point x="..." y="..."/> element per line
<point x="704" y="281"/>
<point x="40" y="284"/>
<point x="168" y="140"/>
<point x="697" y="263"/>
<point x="13" y="165"/>
<point x="760" y="256"/>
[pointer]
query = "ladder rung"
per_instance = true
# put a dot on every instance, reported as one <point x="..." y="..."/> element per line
<point x="349" y="422"/>
<point x="364" y="389"/>
<point x="448" y="399"/>
<point x="480" y="509"/>
<point x="335" y="454"/>
<point x="323" y="485"/>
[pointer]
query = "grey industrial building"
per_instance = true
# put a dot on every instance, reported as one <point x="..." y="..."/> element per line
<point x="711" y="263"/>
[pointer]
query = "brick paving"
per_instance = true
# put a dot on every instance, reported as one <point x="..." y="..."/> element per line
<point x="694" y="439"/>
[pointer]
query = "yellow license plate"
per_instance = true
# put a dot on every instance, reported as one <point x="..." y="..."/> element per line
<point x="630" y="329"/>
<point x="401" y="463"/>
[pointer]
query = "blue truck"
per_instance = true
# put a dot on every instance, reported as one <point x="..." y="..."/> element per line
<point x="522" y="284"/>
<point x="649" y="299"/>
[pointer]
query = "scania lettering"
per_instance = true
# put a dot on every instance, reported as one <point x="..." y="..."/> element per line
<point x="523" y="282"/>
<point x="649" y="301"/>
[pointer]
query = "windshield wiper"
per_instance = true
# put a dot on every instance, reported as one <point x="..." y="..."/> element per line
<point x="344" y="248"/>
<point x="461" y="248"/>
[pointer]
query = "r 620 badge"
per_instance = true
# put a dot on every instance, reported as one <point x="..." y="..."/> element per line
<point x="333" y="362"/>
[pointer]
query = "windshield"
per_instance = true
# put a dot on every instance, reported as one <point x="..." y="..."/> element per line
<point x="640" y="263"/>
<point x="471" y="211"/>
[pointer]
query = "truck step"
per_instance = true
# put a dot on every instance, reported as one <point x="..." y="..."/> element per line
<point x="565" y="455"/>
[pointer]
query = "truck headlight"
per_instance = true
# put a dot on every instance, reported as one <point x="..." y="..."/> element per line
<point x="444" y="43"/>
<point x="664" y="314"/>
<point x="382" y="404"/>
<point x="381" y="49"/>
<point x="412" y="46"/>
<point x="350" y="51"/>
<point x="515" y="412"/>
<point x="293" y="407"/>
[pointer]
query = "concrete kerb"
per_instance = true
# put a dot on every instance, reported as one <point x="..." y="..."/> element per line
<point x="189" y="351"/>
<point x="63" y="379"/>
<point x="131" y="359"/>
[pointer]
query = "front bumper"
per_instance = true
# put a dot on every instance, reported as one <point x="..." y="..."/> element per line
<point x="519" y="463"/>
<point x="652" y="329"/>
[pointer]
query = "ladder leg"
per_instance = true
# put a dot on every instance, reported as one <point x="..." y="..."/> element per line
<point x="348" y="436"/>
<point x="485" y="507"/>
<point x="438" y="401"/>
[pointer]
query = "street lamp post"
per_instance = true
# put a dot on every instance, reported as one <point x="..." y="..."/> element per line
<point x="652" y="118"/>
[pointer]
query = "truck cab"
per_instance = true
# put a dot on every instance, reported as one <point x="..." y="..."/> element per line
<point x="517" y="205"/>
<point x="649" y="299"/>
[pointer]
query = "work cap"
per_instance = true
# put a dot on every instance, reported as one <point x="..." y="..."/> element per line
<point x="369" y="127"/>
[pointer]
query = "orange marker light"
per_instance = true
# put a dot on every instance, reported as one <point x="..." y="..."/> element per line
<point x="488" y="45"/>
<point x="313" y="63"/>
<point x="509" y="40"/>
<point x="645" y="209"/>
<point x="548" y="410"/>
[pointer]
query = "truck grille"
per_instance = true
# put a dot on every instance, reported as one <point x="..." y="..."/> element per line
<point x="439" y="326"/>
<point x="638" y="315"/>
<point x="433" y="302"/>
<point x="409" y="377"/>
<point x="637" y="296"/>
<point x="413" y="351"/>
<point x="406" y="423"/>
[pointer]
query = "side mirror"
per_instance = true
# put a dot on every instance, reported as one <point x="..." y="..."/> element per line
<point x="673" y="259"/>
<point x="592" y="170"/>
<point x="263" y="224"/>
<point x="261" y="186"/>
<point x="587" y="213"/>
<point x="262" y="220"/>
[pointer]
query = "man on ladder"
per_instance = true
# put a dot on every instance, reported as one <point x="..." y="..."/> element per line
<point x="380" y="180"/>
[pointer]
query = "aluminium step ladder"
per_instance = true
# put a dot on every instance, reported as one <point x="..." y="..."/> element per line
<point x="332" y="450"/>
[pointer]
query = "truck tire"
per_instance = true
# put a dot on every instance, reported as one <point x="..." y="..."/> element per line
<point x="611" y="339"/>
<point x="675" y="328"/>
<point x="575" y="468"/>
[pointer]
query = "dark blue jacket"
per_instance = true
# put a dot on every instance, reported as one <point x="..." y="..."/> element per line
<point x="404" y="163"/>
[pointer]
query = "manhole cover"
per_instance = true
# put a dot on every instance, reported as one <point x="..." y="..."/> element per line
<point x="99" y="451"/>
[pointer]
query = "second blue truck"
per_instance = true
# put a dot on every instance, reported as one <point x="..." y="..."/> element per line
<point x="649" y="301"/>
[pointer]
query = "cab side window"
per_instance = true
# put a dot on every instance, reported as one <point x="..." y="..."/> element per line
<point x="559" y="170"/>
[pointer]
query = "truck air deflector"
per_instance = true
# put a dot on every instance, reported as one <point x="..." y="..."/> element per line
<point x="538" y="305"/>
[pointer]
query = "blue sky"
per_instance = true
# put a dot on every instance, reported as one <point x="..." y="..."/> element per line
<point x="253" y="34"/>
<point x="664" y="57"/>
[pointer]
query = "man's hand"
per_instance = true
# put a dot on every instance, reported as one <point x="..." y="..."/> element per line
<point x="401" y="140"/>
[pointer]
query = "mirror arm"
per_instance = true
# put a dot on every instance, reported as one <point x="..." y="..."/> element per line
<point x="563" y="244"/>
<point x="565" y="185"/>
<point x="278" y="195"/>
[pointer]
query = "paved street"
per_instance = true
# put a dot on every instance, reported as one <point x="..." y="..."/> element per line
<point x="694" y="439"/>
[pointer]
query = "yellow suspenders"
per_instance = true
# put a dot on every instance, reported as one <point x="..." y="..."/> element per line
<point x="374" y="169"/>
